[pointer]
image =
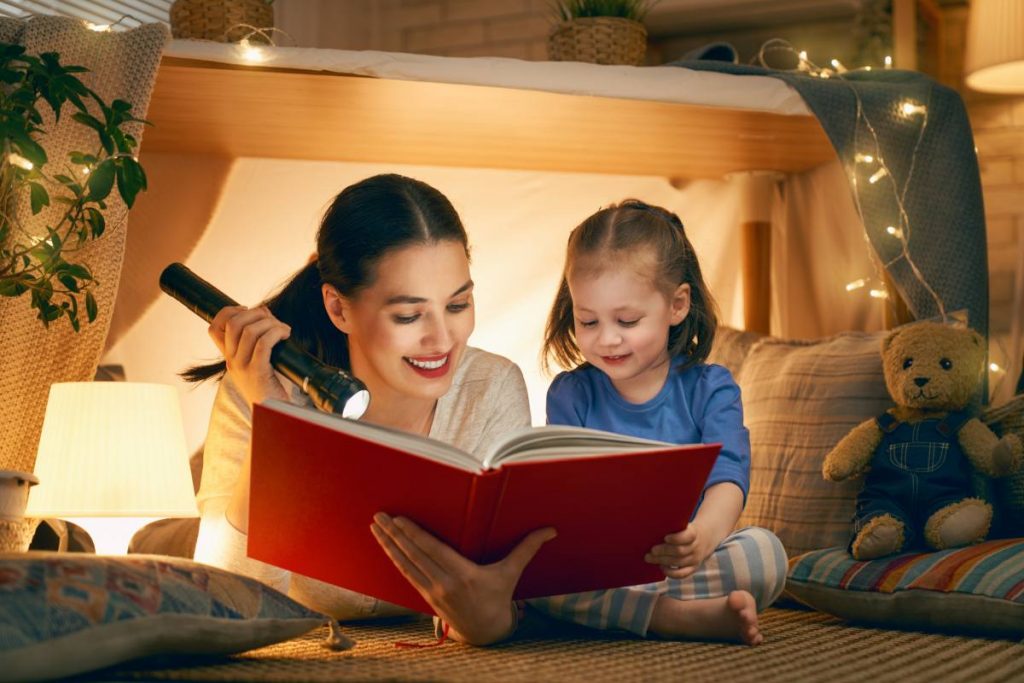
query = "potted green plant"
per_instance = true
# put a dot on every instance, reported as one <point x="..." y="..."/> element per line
<point x="76" y="188"/>
<point x="599" y="31"/>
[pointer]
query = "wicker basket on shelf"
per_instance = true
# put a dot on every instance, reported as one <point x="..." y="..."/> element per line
<point x="225" y="21"/>
<point x="598" y="40"/>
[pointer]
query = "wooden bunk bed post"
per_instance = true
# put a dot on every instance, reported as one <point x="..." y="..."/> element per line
<point x="756" y="193"/>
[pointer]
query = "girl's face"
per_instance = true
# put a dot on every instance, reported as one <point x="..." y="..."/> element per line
<point x="622" y="323"/>
<point x="408" y="330"/>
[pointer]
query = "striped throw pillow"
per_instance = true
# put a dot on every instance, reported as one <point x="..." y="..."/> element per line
<point x="977" y="589"/>
<point x="799" y="399"/>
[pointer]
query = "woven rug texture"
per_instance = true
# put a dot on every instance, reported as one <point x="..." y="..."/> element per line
<point x="799" y="646"/>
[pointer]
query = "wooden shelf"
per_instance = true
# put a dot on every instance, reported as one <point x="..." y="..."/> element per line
<point x="201" y="107"/>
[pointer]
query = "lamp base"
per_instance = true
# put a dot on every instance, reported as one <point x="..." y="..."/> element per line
<point x="111" y="535"/>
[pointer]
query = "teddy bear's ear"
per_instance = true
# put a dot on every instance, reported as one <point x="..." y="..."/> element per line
<point x="976" y="338"/>
<point x="890" y="338"/>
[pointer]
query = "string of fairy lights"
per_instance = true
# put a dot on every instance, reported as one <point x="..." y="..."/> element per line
<point x="869" y="163"/>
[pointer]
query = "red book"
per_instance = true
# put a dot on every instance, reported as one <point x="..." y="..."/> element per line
<point x="318" y="479"/>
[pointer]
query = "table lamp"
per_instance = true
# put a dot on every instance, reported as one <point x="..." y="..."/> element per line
<point x="994" y="61"/>
<point x="112" y="457"/>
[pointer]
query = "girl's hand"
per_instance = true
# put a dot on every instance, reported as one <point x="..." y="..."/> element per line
<point x="245" y="337"/>
<point x="682" y="552"/>
<point x="474" y="600"/>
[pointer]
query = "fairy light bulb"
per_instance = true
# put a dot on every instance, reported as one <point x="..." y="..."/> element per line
<point x="878" y="175"/>
<point x="838" y="66"/>
<point x="894" y="231"/>
<point x="250" y="52"/>
<point x="879" y="294"/>
<point x="864" y="159"/>
<point x="99" y="28"/>
<point x="20" y="161"/>
<point x="856" y="284"/>
<point x="888" y="61"/>
<point x="909" y="108"/>
<point x="994" y="367"/>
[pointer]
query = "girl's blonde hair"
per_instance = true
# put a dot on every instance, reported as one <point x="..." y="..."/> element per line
<point x="624" y="233"/>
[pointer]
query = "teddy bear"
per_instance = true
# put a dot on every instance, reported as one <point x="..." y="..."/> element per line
<point x="917" y="457"/>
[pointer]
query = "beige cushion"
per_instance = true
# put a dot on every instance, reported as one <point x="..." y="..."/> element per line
<point x="799" y="399"/>
<point x="732" y="347"/>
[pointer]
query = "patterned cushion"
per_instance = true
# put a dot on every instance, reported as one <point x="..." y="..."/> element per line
<point x="799" y="399"/>
<point x="66" y="613"/>
<point x="977" y="589"/>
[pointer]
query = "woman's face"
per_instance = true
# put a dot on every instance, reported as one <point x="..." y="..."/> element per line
<point x="408" y="330"/>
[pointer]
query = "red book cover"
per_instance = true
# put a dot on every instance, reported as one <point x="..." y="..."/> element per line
<point x="316" y="487"/>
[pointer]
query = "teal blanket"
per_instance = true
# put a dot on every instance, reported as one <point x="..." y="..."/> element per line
<point x="933" y="167"/>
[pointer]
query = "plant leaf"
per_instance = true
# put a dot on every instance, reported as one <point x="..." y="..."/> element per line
<point x="91" y="309"/>
<point x="39" y="196"/>
<point x="101" y="180"/>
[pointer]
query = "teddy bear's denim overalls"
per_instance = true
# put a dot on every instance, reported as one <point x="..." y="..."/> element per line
<point x="916" y="470"/>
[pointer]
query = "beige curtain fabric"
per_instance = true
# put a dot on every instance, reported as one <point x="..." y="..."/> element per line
<point x="122" y="66"/>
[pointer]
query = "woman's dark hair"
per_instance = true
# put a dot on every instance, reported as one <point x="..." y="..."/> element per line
<point x="364" y="222"/>
<point x="624" y="233"/>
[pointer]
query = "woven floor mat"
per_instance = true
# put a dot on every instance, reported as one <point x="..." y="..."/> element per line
<point x="799" y="646"/>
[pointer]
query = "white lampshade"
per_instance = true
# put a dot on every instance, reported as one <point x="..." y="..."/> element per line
<point x="112" y="456"/>
<point x="995" y="46"/>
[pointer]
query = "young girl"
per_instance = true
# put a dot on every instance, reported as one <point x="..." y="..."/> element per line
<point x="389" y="297"/>
<point x="635" y="319"/>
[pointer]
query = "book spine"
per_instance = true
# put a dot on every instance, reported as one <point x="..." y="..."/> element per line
<point x="481" y="506"/>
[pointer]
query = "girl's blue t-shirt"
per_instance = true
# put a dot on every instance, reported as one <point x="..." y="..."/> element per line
<point x="700" y="404"/>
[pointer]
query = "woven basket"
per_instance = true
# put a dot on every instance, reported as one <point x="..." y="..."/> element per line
<point x="1009" y="419"/>
<point x="598" y="40"/>
<point x="16" y="534"/>
<point x="224" y="21"/>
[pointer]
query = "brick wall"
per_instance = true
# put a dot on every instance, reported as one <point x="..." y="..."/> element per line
<point x="473" y="28"/>
<point x="998" y="125"/>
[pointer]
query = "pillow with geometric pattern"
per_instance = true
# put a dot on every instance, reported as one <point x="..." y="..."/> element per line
<point x="63" y="614"/>
<point x="978" y="589"/>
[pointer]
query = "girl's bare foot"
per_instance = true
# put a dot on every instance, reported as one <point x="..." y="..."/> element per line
<point x="733" y="617"/>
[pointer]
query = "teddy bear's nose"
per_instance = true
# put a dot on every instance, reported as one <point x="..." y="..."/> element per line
<point x="920" y="381"/>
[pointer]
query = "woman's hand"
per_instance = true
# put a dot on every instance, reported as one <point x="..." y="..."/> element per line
<point x="474" y="600"/>
<point x="245" y="336"/>
<point x="682" y="552"/>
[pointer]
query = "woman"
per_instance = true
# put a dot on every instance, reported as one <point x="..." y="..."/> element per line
<point x="389" y="298"/>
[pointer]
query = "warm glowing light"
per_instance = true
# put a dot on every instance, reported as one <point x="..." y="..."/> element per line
<point x="867" y="68"/>
<point x="864" y="159"/>
<point x="803" y="55"/>
<point x="250" y="52"/>
<point x="910" y="108"/>
<point x="879" y="294"/>
<point x="838" y="66"/>
<point x="894" y="231"/>
<point x="99" y="28"/>
<point x="888" y="61"/>
<point x="856" y="284"/>
<point x="994" y="367"/>
<point x="878" y="175"/>
<point x="20" y="161"/>
<point x="86" y="170"/>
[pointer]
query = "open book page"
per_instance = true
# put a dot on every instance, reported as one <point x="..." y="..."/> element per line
<point x="558" y="441"/>
<point x="410" y="443"/>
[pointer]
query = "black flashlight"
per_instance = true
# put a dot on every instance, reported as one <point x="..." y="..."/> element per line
<point x="331" y="389"/>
